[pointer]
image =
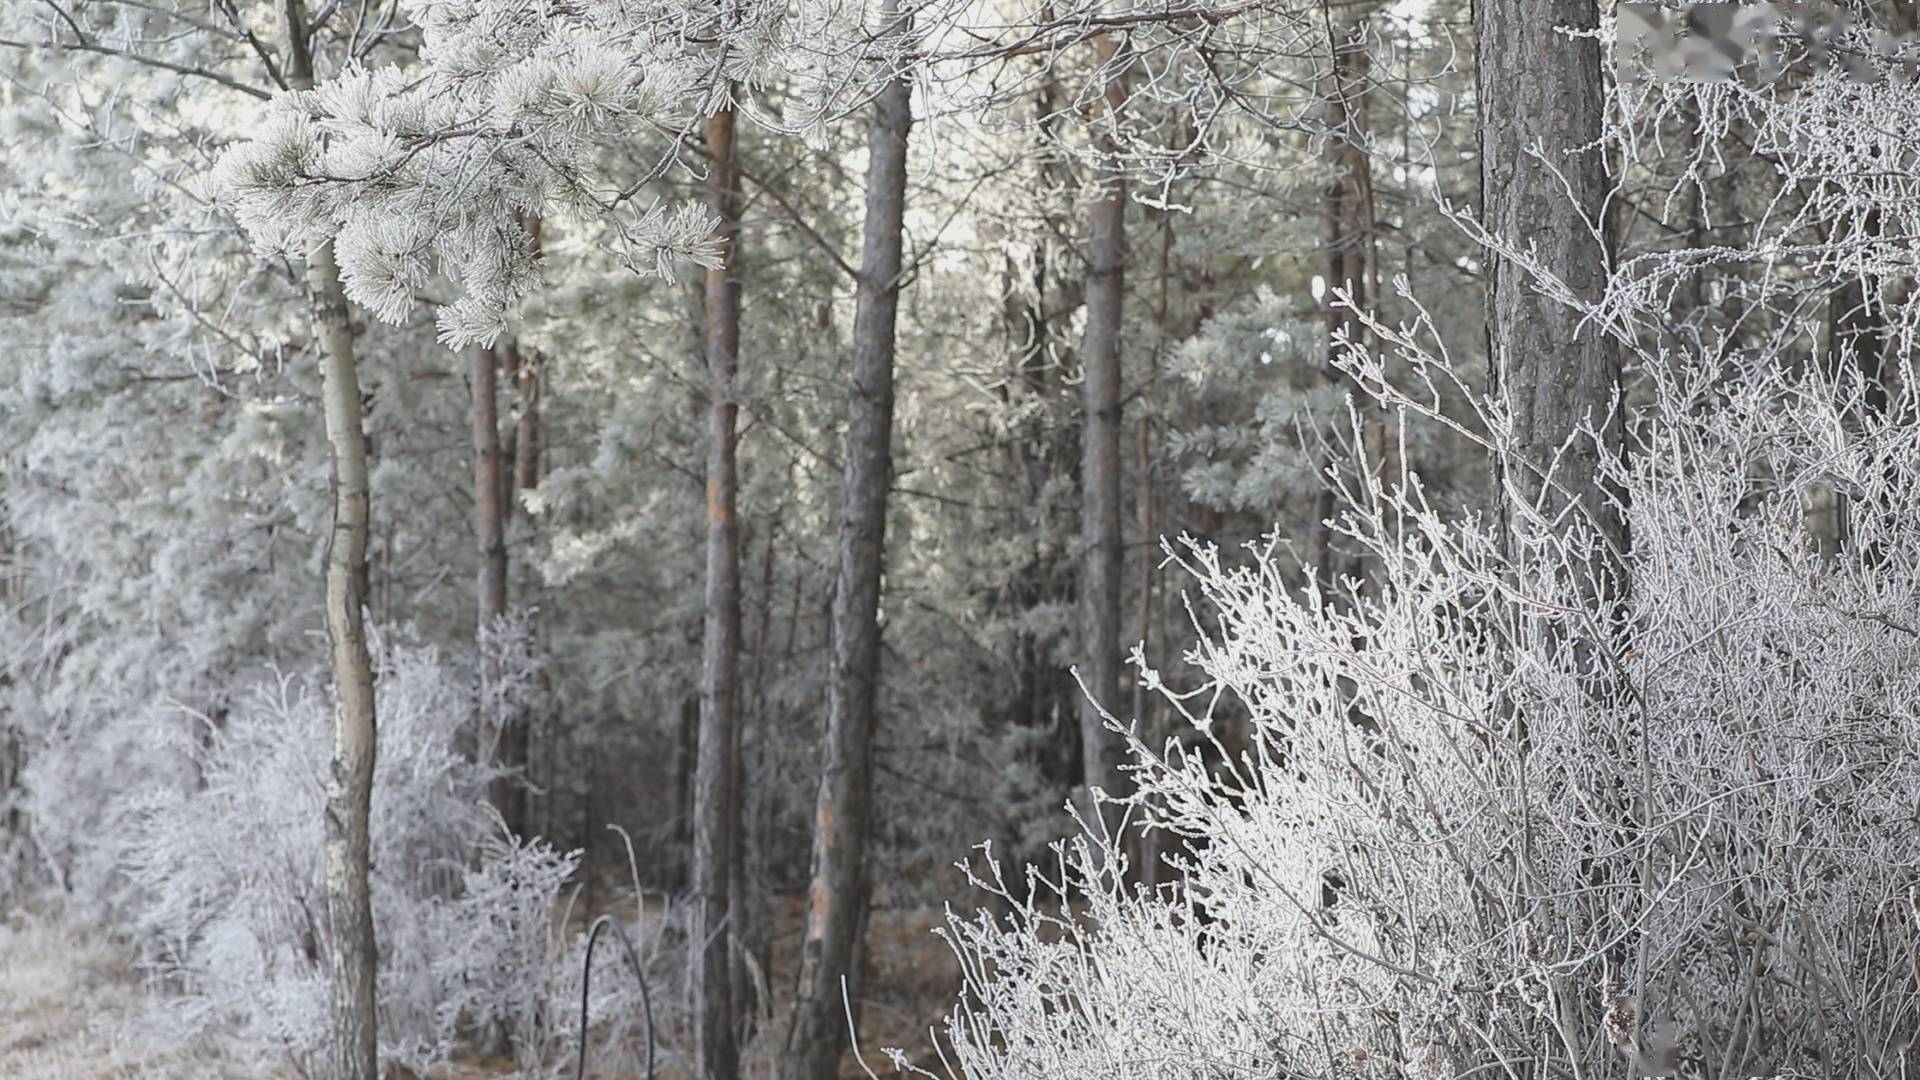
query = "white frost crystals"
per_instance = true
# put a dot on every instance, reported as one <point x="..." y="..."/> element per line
<point x="438" y="169"/>
<point x="232" y="925"/>
<point x="1426" y="851"/>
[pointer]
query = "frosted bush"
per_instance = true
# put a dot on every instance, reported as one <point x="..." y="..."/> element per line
<point x="1487" y="824"/>
<point x="1440" y="853"/>
<point x="228" y="873"/>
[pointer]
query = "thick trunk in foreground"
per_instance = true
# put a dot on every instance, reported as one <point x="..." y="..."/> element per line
<point x="1101" y="750"/>
<point x="352" y="959"/>
<point x="1541" y="89"/>
<point x="716" y="825"/>
<point x="1541" y="101"/>
<point x="837" y="892"/>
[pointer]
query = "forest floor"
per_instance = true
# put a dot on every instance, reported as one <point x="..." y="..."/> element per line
<point x="72" y="1006"/>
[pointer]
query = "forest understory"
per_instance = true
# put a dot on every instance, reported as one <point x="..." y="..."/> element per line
<point x="1150" y="539"/>
<point x="74" y="1006"/>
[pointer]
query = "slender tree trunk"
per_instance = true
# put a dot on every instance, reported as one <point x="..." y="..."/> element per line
<point x="531" y="372"/>
<point x="716" y="826"/>
<point x="1348" y="210"/>
<point x="352" y="958"/>
<point x="1044" y="698"/>
<point x="686" y="752"/>
<point x="1541" y="89"/>
<point x="12" y="753"/>
<point x="492" y="500"/>
<point x="512" y="465"/>
<point x="1145" y="702"/>
<point x="350" y="777"/>
<point x="521" y="472"/>
<point x="753" y="897"/>
<point x="837" y="891"/>
<point x="1102" y="751"/>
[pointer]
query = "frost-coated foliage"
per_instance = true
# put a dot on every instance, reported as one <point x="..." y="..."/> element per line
<point x="230" y="878"/>
<point x="411" y="176"/>
<point x="515" y="110"/>
<point x="1484" y="823"/>
<point x="1439" y="852"/>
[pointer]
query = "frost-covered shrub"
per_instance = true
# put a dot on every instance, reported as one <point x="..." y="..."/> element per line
<point x="230" y="902"/>
<point x="1487" y="824"/>
<point x="1442" y="854"/>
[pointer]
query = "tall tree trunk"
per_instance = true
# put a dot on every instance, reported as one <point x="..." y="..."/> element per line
<point x="837" y="891"/>
<point x="530" y="370"/>
<point x="1044" y="698"/>
<point x="12" y="595"/>
<point x="1544" y="190"/>
<point x="514" y="466"/>
<point x="528" y="367"/>
<point x="753" y="896"/>
<point x="1348" y="210"/>
<point x="354" y="1052"/>
<point x="1101" y="751"/>
<point x="716" y="826"/>
<point x="1145" y="702"/>
<point x="1540" y="89"/>
<point x="350" y="778"/>
<point x="492" y="496"/>
<point x="521" y="472"/>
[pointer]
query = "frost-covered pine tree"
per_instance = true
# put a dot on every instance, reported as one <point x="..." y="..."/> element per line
<point x="510" y="112"/>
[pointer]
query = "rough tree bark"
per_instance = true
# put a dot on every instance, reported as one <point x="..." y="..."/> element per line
<point x="716" y="797"/>
<point x="1544" y="190"/>
<point x="1101" y="751"/>
<point x="352" y="958"/>
<point x="837" y="891"/>
<point x="1541" y="90"/>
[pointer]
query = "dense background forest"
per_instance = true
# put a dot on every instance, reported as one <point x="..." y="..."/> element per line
<point x="1292" y="538"/>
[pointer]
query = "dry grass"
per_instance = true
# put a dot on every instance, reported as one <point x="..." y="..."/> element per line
<point x="911" y="979"/>
<point x="72" y="1006"/>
